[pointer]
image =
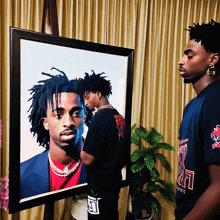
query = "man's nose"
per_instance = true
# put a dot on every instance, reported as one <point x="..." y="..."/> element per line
<point x="68" y="121"/>
<point x="181" y="62"/>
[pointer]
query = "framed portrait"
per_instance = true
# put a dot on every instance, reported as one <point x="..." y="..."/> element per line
<point x="32" y="54"/>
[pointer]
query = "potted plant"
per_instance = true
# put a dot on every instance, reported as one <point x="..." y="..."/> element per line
<point x="145" y="178"/>
<point x="79" y="207"/>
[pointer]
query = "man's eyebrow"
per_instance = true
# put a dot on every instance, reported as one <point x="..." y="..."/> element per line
<point x="57" y="109"/>
<point x="77" y="108"/>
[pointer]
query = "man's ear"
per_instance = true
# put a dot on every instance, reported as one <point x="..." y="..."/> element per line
<point x="45" y="123"/>
<point x="99" y="95"/>
<point x="216" y="58"/>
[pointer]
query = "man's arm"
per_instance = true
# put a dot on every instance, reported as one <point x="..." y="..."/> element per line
<point x="209" y="203"/>
<point x="87" y="159"/>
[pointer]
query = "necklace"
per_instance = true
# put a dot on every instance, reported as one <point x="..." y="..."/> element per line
<point x="104" y="106"/>
<point x="66" y="171"/>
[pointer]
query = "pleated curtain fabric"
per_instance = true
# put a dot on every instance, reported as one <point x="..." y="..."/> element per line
<point x="155" y="29"/>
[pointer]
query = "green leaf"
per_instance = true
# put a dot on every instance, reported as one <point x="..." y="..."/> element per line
<point x="168" y="185"/>
<point x="153" y="137"/>
<point x="155" y="205"/>
<point x="149" y="161"/>
<point x="164" y="162"/>
<point x="155" y="174"/>
<point x="79" y="197"/>
<point x="133" y="127"/>
<point x="147" y="150"/>
<point x="134" y="135"/>
<point x="143" y="130"/>
<point x="138" y="166"/>
<point x="136" y="155"/>
<point x="135" y="141"/>
<point x="152" y="187"/>
<point x="138" y="132"/>
<point x="166" y="194"/>
<point x="165" y="146"/>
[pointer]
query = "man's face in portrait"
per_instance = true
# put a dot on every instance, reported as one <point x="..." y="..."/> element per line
<point x="65" y="121"/>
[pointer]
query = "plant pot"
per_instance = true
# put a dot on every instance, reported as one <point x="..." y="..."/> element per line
<point x="144" y="218"/>
<point x="79" y="209"/>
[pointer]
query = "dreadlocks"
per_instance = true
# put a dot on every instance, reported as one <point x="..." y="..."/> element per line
<point x="96" y="83"/>
<point x="208" y="34"/>
<point x="42" y="94"/>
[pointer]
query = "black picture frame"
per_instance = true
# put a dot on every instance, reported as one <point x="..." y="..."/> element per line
<point x="18" y="61"/>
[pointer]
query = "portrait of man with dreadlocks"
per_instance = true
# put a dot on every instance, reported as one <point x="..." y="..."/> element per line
<point x="57" y="116"/>
<point x="198" y="183"/>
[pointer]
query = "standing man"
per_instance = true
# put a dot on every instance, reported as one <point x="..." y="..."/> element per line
<point x="57" y="119"/>
<point x="198" y="183"/>
<point x="104" y="153"/>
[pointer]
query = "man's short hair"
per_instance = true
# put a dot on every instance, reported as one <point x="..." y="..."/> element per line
<point x="96" y="83"/>
<point x="209" y="35"/>
<point x="42" y="94"/>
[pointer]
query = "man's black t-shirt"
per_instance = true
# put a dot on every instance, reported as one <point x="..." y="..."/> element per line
<point x="104" y="141"/>
<point x="199" y="147"/>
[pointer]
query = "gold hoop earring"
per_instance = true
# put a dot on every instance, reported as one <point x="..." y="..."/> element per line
<point x="211" y="69"/>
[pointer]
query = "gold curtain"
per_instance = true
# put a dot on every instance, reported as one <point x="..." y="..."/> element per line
<point x="155" y="29"/>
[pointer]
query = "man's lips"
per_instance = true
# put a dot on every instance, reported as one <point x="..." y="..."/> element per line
<point x="90" y="108"/>
<point x="182" y="71"/>
<point x="68" y="135"/>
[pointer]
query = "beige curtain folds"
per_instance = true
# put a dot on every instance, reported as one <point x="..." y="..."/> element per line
<point x="27" y="15"/>
<point x="155" y="29"/>
<point x="110" y="22"/>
